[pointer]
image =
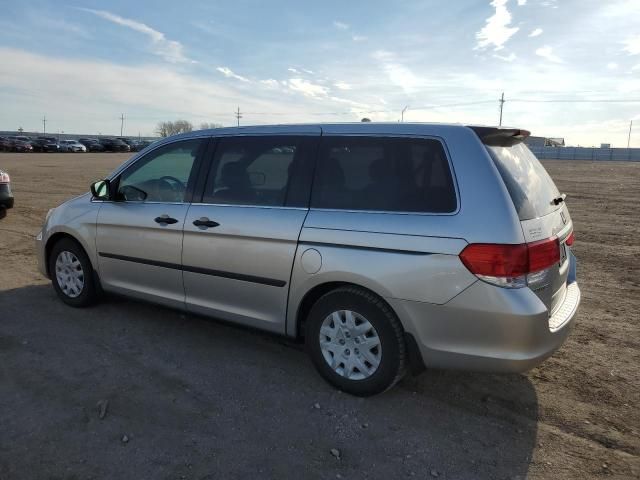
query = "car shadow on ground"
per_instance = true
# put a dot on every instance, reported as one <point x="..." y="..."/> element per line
<point x="189" y="397"/>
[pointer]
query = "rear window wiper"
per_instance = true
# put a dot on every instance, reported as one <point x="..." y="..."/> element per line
<point x="559" y="200"/>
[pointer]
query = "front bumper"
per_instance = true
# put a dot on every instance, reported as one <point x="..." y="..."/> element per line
<point x="40" y="255"/>
<point x="488" y="328"/>
<point x="6" y="196"/>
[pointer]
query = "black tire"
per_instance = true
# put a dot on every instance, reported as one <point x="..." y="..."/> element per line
<point x="393" y="358"/>
<point x="89" y="292"/>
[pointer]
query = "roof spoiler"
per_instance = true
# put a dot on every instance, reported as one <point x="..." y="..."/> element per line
<point x="500" y="137"/>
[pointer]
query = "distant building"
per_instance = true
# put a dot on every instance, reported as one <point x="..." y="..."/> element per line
<point x="605" y="145"/>
<point x="544" y="142"/>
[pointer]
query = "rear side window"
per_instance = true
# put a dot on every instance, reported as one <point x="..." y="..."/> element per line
<point x="256" y="170"/>
<point x="383" y="174"/>
<point x="530" y="186"/>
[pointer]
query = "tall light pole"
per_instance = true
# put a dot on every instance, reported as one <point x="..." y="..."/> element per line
<point x="121" y="123"/>
<point x="402" y="113"/>
<point x="44" y="125"/>
<point x="629" y="137"/>
<point x="501" y="106"/>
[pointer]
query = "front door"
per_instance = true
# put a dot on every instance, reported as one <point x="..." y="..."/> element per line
<point x="139" y="235"/>
<point x="240" y="241"/>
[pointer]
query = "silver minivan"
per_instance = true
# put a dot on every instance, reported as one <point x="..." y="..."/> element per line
<point x="385" y="247"/>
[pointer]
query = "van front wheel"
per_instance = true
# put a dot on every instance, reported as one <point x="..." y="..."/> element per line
<point x="71" y="274"/>
<point x="356" y="341"/>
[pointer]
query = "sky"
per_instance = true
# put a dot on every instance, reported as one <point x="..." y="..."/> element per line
<point x="568" y="68"/>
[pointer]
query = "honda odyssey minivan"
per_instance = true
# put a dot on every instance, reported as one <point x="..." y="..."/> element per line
<point x="385" y="247"/>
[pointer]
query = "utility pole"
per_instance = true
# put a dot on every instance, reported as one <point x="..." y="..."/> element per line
<point x="629" y="137"/>
<point x="121" y="123"/>
<point x="402" y="113"/>
<point x="238" y="116"/>
<point x="501" y="106"/>
<point x="44" y="125"/>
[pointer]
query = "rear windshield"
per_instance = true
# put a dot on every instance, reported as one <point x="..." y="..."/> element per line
<point x="530" y="186"/>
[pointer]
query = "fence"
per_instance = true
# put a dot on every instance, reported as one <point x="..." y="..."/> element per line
<point x="580" y="153"/>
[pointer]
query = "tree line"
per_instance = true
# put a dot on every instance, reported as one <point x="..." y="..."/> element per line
<point x="166" y="129"/>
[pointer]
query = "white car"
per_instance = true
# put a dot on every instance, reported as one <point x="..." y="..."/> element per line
<point x="71" y="146"/>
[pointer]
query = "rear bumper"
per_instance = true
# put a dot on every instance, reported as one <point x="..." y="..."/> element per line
<point x="487" y="328"/>
<point x="6" y="197"/>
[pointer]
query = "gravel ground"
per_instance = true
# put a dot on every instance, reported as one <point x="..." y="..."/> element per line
<point x="130" y="390"/>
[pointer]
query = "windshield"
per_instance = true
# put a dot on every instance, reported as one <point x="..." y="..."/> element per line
<point x="530" y="186"/>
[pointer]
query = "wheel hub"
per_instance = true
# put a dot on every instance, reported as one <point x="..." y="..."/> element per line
<point x="350" y="345"/>
<point x="69" y="274"/>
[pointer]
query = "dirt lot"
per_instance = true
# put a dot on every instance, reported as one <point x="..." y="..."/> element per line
<point x="199" y="399"/>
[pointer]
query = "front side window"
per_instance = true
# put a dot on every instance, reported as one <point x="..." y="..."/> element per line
<point x="161" y="175"/>
<point x="253" y="170"/>
<point x="383" y="174"/>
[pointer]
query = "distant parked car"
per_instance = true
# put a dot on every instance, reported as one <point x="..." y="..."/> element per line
<point x="114" y="145"/>
<point x="92" y="144"/>
<point x="5" y="144"/>
<point x="6" y="197"/>
<point x="138" y="145"/>
<point x="72" y="146"/>
<point x="45" y="144"/>
<point x="21" y="146"/>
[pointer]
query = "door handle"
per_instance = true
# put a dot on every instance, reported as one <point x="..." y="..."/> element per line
<point x="166" y="219"/>
<point x="205" y="222"/>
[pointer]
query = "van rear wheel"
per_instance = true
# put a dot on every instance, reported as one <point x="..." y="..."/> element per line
<point x="356" y="341"/>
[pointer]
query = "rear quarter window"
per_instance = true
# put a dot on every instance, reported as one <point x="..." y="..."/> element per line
<point x="384" y="174"/>
<point x="531" y="188"/>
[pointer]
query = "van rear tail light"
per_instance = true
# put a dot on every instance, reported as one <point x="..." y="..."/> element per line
<point x="570" y="239"/>
<point x="508" y="265"/>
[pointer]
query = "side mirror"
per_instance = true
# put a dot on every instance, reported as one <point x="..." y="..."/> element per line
<point x="101" y="189"/>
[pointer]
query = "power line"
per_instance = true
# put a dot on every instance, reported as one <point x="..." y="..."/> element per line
<point x="581" y="100"/>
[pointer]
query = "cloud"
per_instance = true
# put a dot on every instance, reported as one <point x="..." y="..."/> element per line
<point x="340" y="25"/>
<point x="227" y="72"/>
<point x="612" y="65"/>
<point x="359" y="38"/>
<point x="51" y="22"/>
<point x="292" y="70"/>
<point x="398" y="74"/>
<point x="496" y="31"/>
<point x="547" y="52"/>
<point x="307" y="88"/>
<point x="632" y="45"/>
<point x="507" y="58"/>
<point x="536" y="33"/>
<point x="522" y="2"/>
<point x="270" y="83"/>
<point x="170" y="50"/>
<point x="342" y="85"/>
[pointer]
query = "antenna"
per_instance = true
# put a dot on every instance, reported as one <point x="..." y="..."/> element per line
<point x="238" y="116"/>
